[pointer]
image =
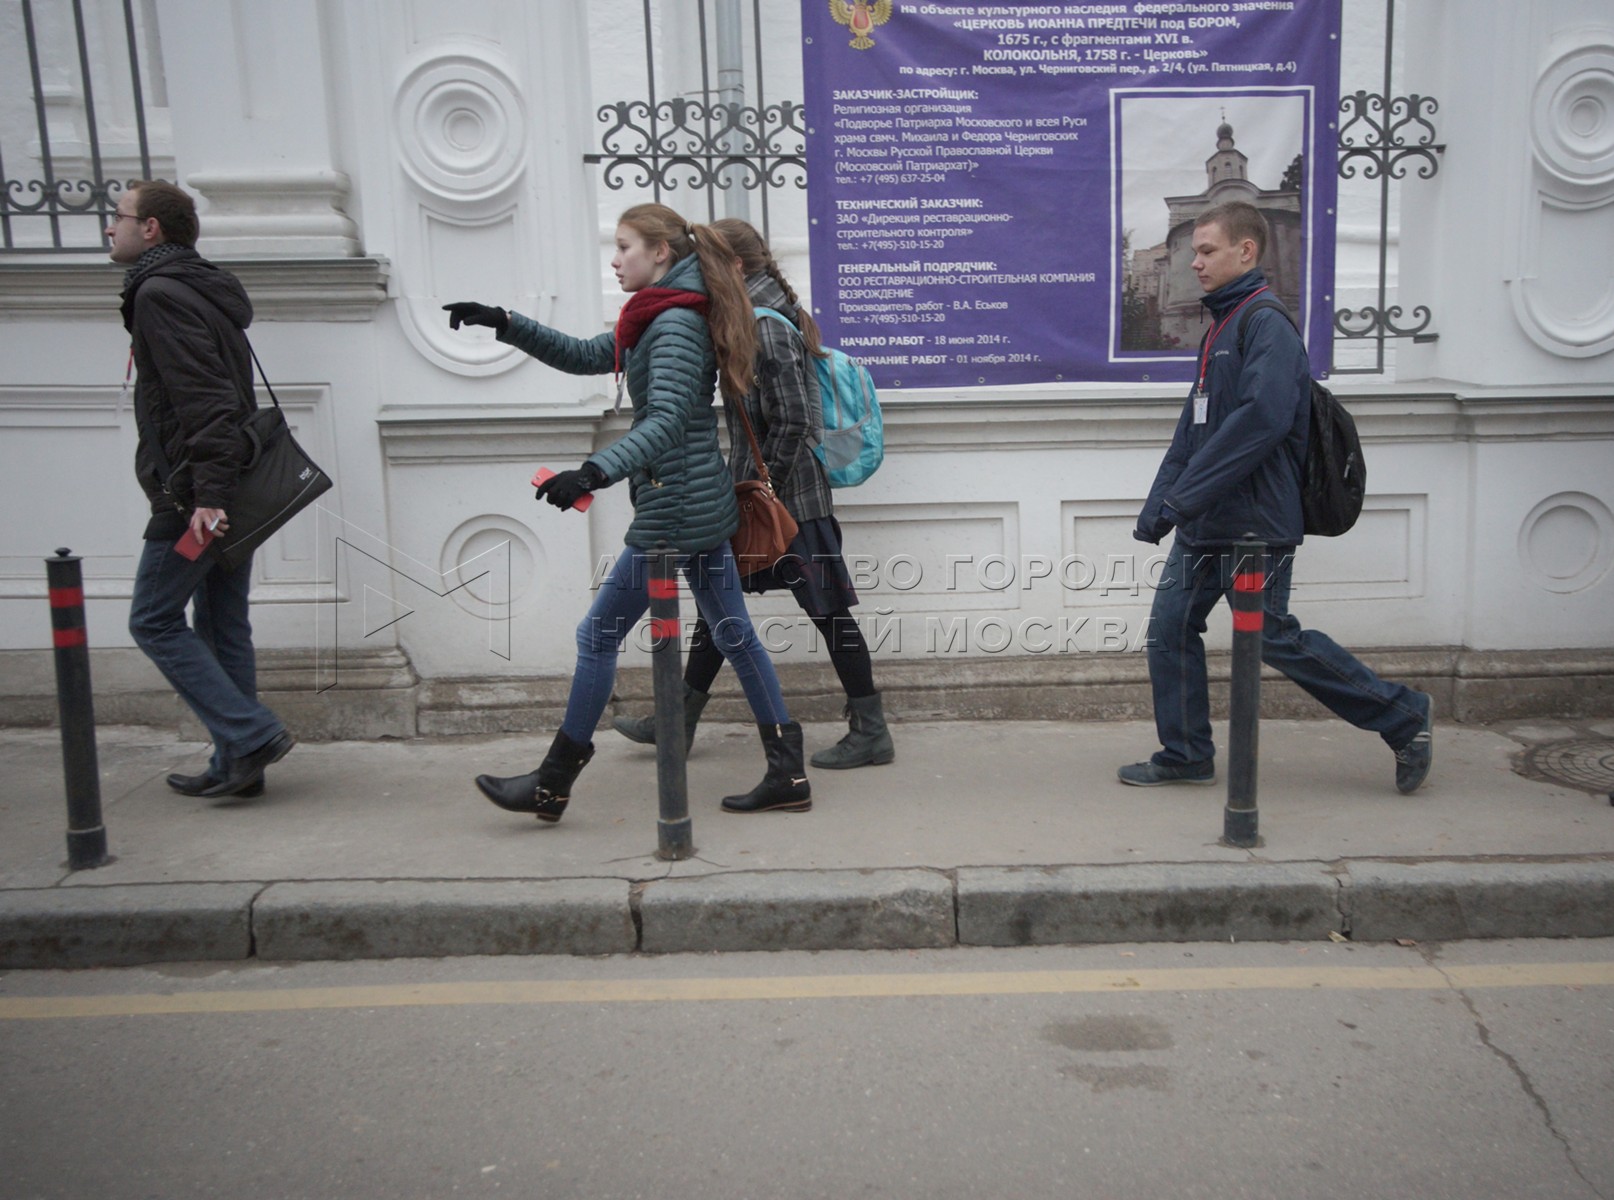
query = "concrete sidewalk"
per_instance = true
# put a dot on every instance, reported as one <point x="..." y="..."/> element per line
<point x="981" y="833"/>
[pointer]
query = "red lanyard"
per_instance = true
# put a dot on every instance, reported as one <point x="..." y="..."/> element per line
<point x="1204" y="357"/>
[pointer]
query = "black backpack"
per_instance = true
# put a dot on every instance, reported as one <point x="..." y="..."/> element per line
<point x="1334" y="480"/>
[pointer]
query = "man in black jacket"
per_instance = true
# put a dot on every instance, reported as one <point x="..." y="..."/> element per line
<point x="193" y="391"/>
<point x="1233" y="473"/>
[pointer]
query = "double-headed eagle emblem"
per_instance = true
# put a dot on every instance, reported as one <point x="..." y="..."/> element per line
<point x="860" y="16"/>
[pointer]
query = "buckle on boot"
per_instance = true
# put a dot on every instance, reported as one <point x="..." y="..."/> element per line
<point x="547" y="806"/>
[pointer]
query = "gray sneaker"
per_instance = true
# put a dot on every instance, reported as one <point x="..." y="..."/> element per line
<point x="1153" y="774"/>
<point x="1413" y="760"/>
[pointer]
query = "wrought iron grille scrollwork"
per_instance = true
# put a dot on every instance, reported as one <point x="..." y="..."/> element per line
<point x="687" y="143"/>
<point x="1376" y="136"/>
<point x="58" y="201"/>
<point x="1381" y="322"/>
<point x="1382" y="137"/>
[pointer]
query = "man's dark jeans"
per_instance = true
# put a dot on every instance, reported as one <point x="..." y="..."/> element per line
<point x="211" y="666"/>
<point x="1191" y="583"/>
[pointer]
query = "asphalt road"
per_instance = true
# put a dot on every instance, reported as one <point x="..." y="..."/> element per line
<point x="1470" y="1070"/>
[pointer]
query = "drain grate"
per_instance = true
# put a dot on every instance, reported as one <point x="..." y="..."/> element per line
<point x="1585" y="763"/>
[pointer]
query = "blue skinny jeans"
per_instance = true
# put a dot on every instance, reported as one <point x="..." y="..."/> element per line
<point x="624" y="597"/>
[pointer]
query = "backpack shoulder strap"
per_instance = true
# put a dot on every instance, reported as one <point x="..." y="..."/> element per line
<point x="760" y="311"/>
<point x="1257" y="305"/>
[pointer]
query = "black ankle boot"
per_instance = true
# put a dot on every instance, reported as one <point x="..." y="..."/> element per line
<point x="784" y="788"/>
<point x="543" y="792"/>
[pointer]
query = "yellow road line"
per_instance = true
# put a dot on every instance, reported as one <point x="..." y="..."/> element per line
<point x="812" y="987"/>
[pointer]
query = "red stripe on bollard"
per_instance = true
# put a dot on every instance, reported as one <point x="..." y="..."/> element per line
<point x="664" y="628"/>
<point x="1247" y="622"/>
<point x="663" y="589"/>
<point x="75" y="706"/>
<point x="1253" y="582"/>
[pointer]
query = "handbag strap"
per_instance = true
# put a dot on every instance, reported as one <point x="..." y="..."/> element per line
<point x="262" y="374"/>
<point x="756" y="450"/>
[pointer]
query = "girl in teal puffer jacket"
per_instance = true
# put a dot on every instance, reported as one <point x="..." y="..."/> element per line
<point x="687" y="319"/>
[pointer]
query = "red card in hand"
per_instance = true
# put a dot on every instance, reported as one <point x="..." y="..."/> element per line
<point x="188" y="547"/>
<point x="583" y="501"/>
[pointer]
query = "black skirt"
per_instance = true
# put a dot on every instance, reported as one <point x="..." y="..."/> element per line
<point x="812" y="569"/>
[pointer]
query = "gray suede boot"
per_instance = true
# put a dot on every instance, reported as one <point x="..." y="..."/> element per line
<point x="868" y="743"/>
<point x="643" y="729"/>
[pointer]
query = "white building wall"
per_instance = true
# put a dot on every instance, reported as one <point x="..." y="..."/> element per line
<point x="362" y="163"/>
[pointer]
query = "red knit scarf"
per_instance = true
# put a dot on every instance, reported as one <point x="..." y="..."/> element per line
<point x="643" y="307"/>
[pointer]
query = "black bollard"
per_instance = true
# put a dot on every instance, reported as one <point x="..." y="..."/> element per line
<point x="86" y="835"/>
<point x="674" y="833"/>
<point x="1240" y="820"/>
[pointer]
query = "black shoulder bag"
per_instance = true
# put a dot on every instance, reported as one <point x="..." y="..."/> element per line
<point x="276" y="483"/>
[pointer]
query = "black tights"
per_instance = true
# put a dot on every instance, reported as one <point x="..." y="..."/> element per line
<point x="841" y="633"/>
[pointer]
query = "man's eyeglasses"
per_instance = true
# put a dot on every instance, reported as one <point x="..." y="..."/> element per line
<point x="125" y="216"/>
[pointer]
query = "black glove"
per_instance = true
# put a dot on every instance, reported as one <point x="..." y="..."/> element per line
<point x="1152" y="531"/>
<point x="568" y="487"/>
<point x="469" y="312"/>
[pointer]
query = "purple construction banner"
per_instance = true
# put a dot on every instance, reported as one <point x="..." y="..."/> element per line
<point x="1005" y="193"/>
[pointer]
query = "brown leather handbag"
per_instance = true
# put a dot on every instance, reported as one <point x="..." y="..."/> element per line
<point x="766" y="526"/>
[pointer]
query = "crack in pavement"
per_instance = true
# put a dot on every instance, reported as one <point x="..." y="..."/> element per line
<point x="1519" y="1072"/>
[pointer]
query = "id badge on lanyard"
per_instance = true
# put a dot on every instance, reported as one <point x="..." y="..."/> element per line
<point x="1201" y="395"/>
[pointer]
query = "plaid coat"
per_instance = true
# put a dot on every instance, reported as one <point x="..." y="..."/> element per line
<point x="785" y="412"/>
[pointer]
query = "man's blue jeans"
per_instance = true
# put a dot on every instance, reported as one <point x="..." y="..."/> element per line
<point x="623" y="599"/>
<point x="211" y="665"/>
<point x="1191" y="583"/>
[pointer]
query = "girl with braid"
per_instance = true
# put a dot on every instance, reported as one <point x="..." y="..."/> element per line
<point x="687" y="322"/>
<point x="784" y="407"/>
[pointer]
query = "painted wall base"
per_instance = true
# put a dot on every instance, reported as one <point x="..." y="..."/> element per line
<point x="381" y="696"/>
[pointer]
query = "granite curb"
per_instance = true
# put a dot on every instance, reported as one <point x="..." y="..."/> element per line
<point x="874" y="909"/>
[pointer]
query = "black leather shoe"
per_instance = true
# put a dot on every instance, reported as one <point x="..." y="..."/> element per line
<point x="196" y="785"/>
<point x="250" y="766"/>
<point x="523" y="794"/>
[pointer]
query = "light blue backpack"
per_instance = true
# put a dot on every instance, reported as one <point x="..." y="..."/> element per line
<point x="854" y="433"/>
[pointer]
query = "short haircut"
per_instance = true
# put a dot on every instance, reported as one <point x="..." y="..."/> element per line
<point x="1238" y="221"/>
<point x="172" y="206"/>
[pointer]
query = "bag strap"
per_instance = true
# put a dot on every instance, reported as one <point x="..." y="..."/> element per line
<point x="262" y="374"/>
<point x="1255" y="305"/>
<point x="163" y="465"/>
<point x="762" y="311"/>
<point x="756" y="450"/>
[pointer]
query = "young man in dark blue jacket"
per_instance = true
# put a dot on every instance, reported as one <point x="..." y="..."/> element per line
<point x="1233" y="472"/>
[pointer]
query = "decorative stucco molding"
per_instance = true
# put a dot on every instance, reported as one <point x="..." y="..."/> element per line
<point x="279" y="214"/>
<point x="282" y="289"/>
<point x="1569" y="205"/>
<point x="460" y="122"/>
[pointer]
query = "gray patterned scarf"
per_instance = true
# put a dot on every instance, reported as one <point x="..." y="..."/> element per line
<point x="150" y="258"/>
